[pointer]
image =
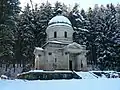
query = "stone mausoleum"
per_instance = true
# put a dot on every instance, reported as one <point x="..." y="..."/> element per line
<point x="60" y="52"/>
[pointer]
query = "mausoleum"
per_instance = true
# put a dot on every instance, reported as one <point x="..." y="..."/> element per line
<point x="60" y="52"/>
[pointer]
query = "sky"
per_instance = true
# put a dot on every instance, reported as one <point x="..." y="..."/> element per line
<point x="85" y="4"/>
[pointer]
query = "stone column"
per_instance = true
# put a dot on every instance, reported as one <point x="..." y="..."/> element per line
<point x="83" y="60"/>
<point x="36" y="62"/>
<point x="78" y="62"/>
<point x="68" y="60"/>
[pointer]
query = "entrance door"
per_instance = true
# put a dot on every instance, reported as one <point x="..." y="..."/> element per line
<point x="72" y="61"/>
<point x="70" y="65"/>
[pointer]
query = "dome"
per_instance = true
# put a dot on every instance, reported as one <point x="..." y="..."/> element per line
<point x="59" y="20"/>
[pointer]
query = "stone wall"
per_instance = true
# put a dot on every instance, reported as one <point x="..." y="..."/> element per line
<point x="60" y="30"/>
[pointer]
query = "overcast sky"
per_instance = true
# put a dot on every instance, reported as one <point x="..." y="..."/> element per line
<point x="85" y="4"/>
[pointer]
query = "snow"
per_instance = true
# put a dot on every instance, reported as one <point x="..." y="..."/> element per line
<point x="77" y="45"/>
<point x="36" y="71"/>
<point x="59" y="9"/>
<point x="81" y="16"/>
<point x="82" y="84"/>
<point x="55" y="42"/>
<point x="52" y="42"/>
<point x="74" y="14"/>
<point x="86" y="75"/>
<point x="58" y="19"/>
<point x="113" y="74"/>
<point x="38" y="48"/>
<point x="83" y="29"/>
<point x="45" y="71"/>
<point x="4" y="77"/>
<point x="78" y="19"/>
<point x="104" y="71"/>
<point x="31" y="71"/>
<point x="59" y="24"/>
<point x="48" y="71"/>
<point x="75" y="27"/>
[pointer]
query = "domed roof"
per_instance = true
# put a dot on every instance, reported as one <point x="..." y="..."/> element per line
<point x="59" y="19"/>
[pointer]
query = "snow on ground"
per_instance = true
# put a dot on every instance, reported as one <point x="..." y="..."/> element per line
<point x="81" y="84"/>
<point x="86" y="75"/>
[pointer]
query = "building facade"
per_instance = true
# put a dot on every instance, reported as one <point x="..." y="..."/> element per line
<point x="60" y="52"/>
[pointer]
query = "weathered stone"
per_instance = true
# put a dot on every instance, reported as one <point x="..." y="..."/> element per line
<point x="60" y="52"/>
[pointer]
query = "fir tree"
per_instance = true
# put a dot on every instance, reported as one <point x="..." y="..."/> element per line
<point x="9" y="9"/>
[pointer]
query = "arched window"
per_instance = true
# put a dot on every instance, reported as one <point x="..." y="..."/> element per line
<point x="65" y="34"/>
<point x="39" y="55"/>
<point x="55" y="59"/>
<point x="55" y="34"/>
<point x="81" y="64"/>
<point x="50" y="53"/>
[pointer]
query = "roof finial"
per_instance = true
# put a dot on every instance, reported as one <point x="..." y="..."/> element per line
<point x="59" y="11"/>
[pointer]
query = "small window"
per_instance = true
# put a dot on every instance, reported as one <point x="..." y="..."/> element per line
<point x="55" y="34"/>
<point x="65" y="34"/>
<point x="66" y="53"/>
<point x="39" y="55"/>
<point x="50" y="53"/>
<point x="81" y="64"/>
<point x="55" y="59"/>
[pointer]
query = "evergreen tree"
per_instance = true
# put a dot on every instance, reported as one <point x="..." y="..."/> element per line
<point x="24" y="39"/>
<point x="106" y="28"/>
<point x="30" y="32"/>
<point x="9" y="9"/>
<point x="78" y="23"/>
<point x="90" y="25"/>
<point x="46" y="13"/>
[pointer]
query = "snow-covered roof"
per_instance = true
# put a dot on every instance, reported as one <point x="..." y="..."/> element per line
<point x="75" y="44"/>
<point x="54" y="41"/>
<point x="59" y="24"/>
<point x="38" y="48"/>
<point x="59" y="19"/>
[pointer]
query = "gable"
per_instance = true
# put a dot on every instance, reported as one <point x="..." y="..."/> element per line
<point x="74" y="46"/>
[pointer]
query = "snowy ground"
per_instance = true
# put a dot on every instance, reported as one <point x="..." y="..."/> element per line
<point x="81" y="84"/>
<point x="86" y="75"/>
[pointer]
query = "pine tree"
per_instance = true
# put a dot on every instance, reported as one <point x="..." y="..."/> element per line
<point x="106" y="29"/>
<point x="9" y="9"/>
<point x="63" y="7"/>
<point x="30" y="32"/>
<point x="24" y="38"/>
<point x="78" y="23"/>
<point x="46" y="13"/>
